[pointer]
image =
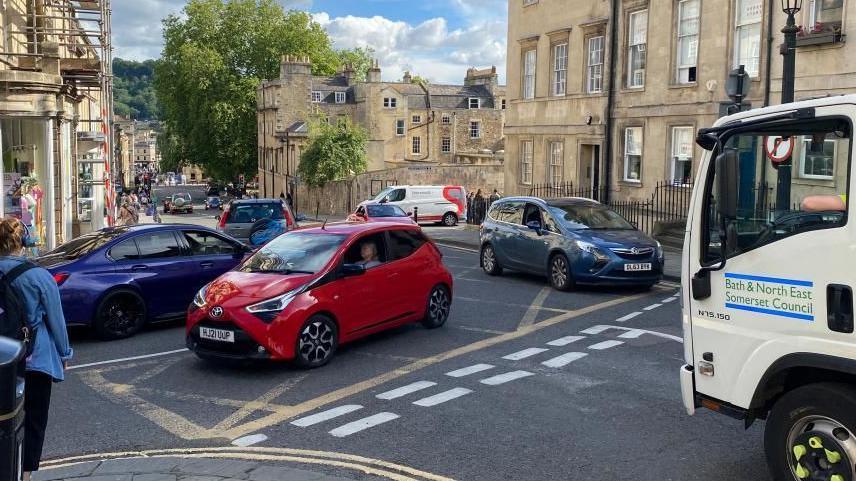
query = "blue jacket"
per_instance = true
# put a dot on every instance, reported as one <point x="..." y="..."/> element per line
<point x="42" y="301"/>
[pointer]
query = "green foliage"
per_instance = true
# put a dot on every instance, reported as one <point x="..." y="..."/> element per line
<point x="133" y="89"/>
<point x="172" y="153"/>
<point x="215" y="56"/>
<point x="334" y="152"/>
<point x="420" y="80"/>
<point x="360" y="59"/>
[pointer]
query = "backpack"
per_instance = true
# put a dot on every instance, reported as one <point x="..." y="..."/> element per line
<point x="13" y="315"/>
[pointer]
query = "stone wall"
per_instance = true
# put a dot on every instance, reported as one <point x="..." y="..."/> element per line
<point x="339" y="197"/>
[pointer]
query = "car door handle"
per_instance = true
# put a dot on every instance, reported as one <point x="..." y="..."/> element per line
<point x="206" y="265"/>
<point x="839" y="308"/>
<point x="139" y="267"/>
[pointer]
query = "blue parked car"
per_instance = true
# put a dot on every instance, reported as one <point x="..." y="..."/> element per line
<point x="571" y="241"/>
<point x="117" y="279"/>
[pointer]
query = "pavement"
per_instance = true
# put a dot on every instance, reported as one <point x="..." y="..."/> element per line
<point x="199" y="466"/>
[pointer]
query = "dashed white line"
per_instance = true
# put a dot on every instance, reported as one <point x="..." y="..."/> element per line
<point x="605" y="345"/>
<point x="564" y="341"/>
<point x="466" y="371"/>
<point x="364" y="423"/>
<point x="405" y="390"/>
<point x="628" y="316"/>
<point x="632" y="334"/>
<point x="326" y="415"/>
<point x="564" y="359"/>
<point x="442" y="397"/>
<point x="652" y="306"/>
<point x="595" y="330"/>
<point x="249" y="440"/>
<point x="507" y="377"/>
<point x="516" y="356"/>
<point x="668" y="299"/>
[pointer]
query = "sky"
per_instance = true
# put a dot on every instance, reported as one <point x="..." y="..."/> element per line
<point x="437" y="39"/>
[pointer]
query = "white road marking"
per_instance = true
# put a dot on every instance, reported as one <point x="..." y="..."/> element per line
<point x="466" y="371"/>
<point x="134" y="358"/>
<point x="516" y="356"/>
<point x="651" y="307"/>
<point x="364" y="423"/>
<point x="405" y="390"/>
<point x="668" y="299"/>
<point x="564" y="341"/>
<point x="595" y="330"/>
<point x="448" y="246"/>
<point x="628" y="316"/>
<point x="442" y="397"/>
<point x="605" y="345"/>
<point x="564" y="359"/>
<point x="326" y="415"/>
<point x="507" y="377"/>
<point x="249" y="440"/>
<point x="632" y="334"/>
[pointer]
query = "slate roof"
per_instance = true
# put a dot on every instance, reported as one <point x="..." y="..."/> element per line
<point x="442" y="96"/>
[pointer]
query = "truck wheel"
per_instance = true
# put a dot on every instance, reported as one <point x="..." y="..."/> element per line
<point x="811" y="434"/>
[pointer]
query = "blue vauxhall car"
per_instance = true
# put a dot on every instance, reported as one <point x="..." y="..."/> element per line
<point x="117" y="279"/>
<point x="570" y="240"/>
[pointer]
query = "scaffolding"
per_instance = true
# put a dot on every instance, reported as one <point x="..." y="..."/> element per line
<point x="71" y="38"/>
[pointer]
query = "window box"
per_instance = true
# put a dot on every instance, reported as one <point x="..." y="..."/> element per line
<point x="820" y="34"/>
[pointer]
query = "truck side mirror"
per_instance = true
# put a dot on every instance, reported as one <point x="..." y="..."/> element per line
<point x="726" y="185"/>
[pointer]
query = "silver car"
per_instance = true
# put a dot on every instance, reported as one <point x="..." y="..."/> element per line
<point x="240" y="216"/>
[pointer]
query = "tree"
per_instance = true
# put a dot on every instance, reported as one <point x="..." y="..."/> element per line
<point x="419" y="80"/>
<point x="215" y="56"/>
<point x="334" y="152"/>
<point x="360" y="59"/>
<point x="133" y="89"/>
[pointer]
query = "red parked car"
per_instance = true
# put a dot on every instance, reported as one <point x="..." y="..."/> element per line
<point x="381" y="213"/>
<point x="306" y="292"/>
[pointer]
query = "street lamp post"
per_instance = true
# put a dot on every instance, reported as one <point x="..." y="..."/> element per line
<point x="789" y="54"/>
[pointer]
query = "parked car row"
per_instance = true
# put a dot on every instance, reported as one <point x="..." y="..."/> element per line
<point x="301" y="294"/>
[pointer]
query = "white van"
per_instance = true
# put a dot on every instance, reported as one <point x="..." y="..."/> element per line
<point x="446" y="204"/>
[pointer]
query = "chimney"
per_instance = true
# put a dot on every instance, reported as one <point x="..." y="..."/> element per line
<point x="374" y="73"/>
<point x="293" y="65"/>
<point x="486" y="77"/>
<point x="348" y="73"/>
<point x="407" y="78"/>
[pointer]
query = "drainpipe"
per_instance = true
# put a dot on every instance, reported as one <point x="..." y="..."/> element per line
<point x="769" y="65"/>
<point x="610" y="98"/>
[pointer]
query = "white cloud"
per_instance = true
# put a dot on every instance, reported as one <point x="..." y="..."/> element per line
<point x="429" y="49"/>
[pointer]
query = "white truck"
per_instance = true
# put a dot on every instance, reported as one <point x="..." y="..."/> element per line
<point x="769" y="264"/>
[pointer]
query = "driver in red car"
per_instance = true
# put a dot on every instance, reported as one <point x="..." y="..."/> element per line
<point x="368" y="251"/>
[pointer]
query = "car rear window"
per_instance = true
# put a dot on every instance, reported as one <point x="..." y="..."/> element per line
<point x="248" y="213"/>
<point x="85" y="244"/>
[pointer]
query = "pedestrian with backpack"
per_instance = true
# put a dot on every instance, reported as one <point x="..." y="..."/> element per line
<point x="31" y="311"/>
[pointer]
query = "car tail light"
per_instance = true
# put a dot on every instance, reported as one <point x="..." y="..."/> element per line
<point x="61" y="277"/>
<point x="223" y="217"/>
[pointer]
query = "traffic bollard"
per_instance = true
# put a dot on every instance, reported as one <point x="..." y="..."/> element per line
<point x="11" y="409"/>
<point x="416" y="215"/>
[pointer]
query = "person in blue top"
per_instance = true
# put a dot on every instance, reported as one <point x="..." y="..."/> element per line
<point x="51" y="349"/>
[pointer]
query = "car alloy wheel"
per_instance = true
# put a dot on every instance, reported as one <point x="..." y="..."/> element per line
<point x="450" y="219"/>
<point x="317" y="342"/>
<point x="121" y="315"/>
<point x="560" y="273"/>
<point x="439" y="304"/>
<point x="489" y="262"/>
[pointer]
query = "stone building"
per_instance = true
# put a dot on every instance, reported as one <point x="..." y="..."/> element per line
<point x="407" y="123"/>
<point x="613" y="98"/>
<point x="54" y="115"/>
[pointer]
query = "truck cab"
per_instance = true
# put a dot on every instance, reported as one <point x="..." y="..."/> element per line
<point x="768" y="269"/>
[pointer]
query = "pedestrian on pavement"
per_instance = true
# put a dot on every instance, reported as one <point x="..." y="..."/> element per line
<point x="289" y="200"/>
<point x="479" y="203"/>
<point x="126" y="216"/>
<point x="50" y="348"/>
<point x="494" y="197"/>
<point x="470" y="208"/>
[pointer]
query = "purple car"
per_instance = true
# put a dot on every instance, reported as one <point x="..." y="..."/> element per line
<point x="117" y="279"/>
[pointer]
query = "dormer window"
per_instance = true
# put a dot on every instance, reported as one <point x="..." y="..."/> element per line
<point x="475" y="103"/>
<point x="316" y="96"/>
<point x="340" y="97"/>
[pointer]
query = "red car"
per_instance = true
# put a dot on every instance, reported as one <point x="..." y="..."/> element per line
<point x="306" y="292"/>
<point x="381" y="213"/>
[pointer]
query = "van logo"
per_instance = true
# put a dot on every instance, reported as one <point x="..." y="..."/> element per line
<point x="216" y="311"/>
